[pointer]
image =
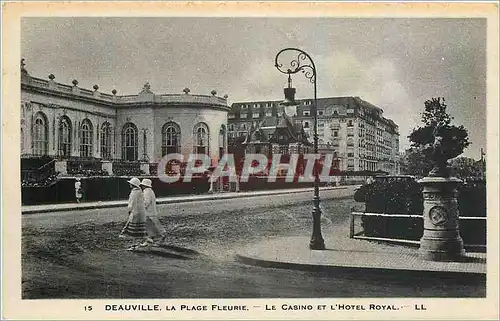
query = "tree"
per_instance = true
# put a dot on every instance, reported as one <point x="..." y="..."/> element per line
<point x="415" y="163"/>
<point x="466" y="168"/>
<point x="438" y="140"/>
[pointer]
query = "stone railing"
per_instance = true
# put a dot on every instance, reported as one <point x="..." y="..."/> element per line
<point x="174" y="98"/>
<point x="211" y="100"/>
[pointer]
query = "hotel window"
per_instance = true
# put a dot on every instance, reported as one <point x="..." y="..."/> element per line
<point x="284" y="149"/>
<point x="350" y="141"/>
<point x="171" y="134"/>
<point x="65" y="137"/>
<point x="222" y="140"/>
<point x="244" y="106"/>
<point x="335" y="133"/>
<point x="243" y="115"/>
<point x="306" y="124"/>
<point x="320" y="113"/>
<point x="269" y="114"/>
<point x="306" y="112"/>
<point x="129" y="142"/>
<point x="106" y="141"/>
<point x="86" y="138"/>
<point x="350" y="123"/>
<point x="40" y="134"/>
<point x="256" y="115"/>
<point x="201" y="136"/>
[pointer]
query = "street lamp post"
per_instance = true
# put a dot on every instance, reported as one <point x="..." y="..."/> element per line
<point x="304" y="63"/>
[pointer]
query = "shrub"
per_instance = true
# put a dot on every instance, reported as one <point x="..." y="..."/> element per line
<point x="405" y="197"/>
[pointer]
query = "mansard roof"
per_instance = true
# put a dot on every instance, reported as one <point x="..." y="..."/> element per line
<point x="270" y="133"/>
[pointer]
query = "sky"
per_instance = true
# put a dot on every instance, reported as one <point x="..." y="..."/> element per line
<point x="395" y="64"/>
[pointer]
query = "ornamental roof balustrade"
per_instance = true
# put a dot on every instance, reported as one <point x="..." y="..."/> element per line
<point x="56" y="87"/>
<point x="175" y="98"/>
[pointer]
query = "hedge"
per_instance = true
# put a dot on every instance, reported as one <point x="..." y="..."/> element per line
<point x="405" y="197"/>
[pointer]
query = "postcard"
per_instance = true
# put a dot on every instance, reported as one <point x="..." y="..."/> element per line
<point x="250" y="160"/>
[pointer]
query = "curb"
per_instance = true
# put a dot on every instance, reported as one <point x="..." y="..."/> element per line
<point x="124" y="203"/>
<point x="363" y="272"/>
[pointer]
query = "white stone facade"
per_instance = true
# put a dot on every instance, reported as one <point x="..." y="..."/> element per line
<point x="67" y="121"/>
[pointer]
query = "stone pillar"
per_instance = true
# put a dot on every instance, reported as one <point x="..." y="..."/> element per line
<point x="108" y="167"/>
<point x="145" y="168"/>
<point x="61" y="167"/>
<point x="441" y="240"/>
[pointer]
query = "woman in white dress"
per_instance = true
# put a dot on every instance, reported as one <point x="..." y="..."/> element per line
<point x="153" y="225"/>
<point x="78" y="189"/>
<point x="136" y="224"/>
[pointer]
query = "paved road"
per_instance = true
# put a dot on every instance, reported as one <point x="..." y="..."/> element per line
<point x="78" y="255"/>
<point x="106" y="215"/>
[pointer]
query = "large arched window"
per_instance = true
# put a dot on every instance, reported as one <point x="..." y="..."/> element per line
<point x="201" y="138"/>
<point x="129" y="142"/>
<point x="171" y="138"/>
<point x="106" y="140"/>
<point x="65" y="136"/>
<point x="222" y="140"/>
<point x="40" y="134"/>
<point x="86" y="138"/>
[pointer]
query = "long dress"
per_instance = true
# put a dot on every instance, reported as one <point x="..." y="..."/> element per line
<point x="136" y="224"/>
<point x="78" y="190"/>
<point x="153" y="225"/>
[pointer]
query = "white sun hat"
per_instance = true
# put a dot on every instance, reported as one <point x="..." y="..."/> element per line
<point x="146" y="182"/>
<point x="134" y="181"/>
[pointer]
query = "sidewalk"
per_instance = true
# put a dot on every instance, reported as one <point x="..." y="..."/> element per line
<point x="32" y="209"/>
<point x="349" y="255"/>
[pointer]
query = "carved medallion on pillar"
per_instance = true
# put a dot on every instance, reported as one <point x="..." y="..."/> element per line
<point x="441" y="240"/>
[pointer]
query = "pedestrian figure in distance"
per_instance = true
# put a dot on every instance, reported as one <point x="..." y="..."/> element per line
<point x="78" y="190"/>
<point x="155" y="229"/>
<point x="136" y="223"/>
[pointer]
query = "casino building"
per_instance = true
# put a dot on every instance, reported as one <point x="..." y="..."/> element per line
<point x="84" y="131"/>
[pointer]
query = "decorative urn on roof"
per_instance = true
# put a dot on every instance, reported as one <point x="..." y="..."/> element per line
<point x="146" y="89"/>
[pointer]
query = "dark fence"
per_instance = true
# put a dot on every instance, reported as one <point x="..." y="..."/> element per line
<point x="105" y="189"/>
<point x="262" y="183"/>
<point x="405" y="197"/>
